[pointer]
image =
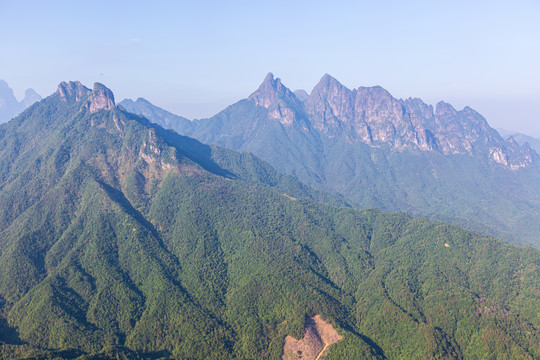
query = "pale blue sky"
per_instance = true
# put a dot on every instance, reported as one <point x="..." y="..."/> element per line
<point x="196" y="57"/>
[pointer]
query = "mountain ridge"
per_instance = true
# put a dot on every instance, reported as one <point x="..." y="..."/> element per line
<point x="394" y="154"/>
<point x="521" y="138"/>
<point x="120" y="239"/>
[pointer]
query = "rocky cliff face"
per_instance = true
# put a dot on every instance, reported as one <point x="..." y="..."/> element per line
<point x="72" y="91"/>
<point x="100" y="98"/>
<point x="281" y="102"/>
<point x="371" y="115"/>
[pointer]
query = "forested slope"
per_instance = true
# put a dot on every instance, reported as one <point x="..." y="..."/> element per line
<point x="122" y="240"/>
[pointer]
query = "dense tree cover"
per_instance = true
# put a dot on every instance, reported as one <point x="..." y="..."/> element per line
<point x="120" y="240"/>
<point x="469" y="189"/>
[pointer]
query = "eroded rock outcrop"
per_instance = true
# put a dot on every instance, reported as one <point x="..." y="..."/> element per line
<point x="73" y="91"/>
<point x="281" y="102"/>
<point x="371" y="115"/>
<point x="100" y="98"/>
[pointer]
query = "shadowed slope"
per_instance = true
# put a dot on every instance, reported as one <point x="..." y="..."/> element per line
<point x="121" y="239"/>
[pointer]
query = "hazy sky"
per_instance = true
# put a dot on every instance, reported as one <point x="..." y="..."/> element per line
<point x="196" y="57"/>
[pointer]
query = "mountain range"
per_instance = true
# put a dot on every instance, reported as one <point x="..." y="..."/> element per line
<point x="521" y="138"/>
<point x="379" y="151"/>
<point x="120" y="239"/>
<point x="9" y="106"/>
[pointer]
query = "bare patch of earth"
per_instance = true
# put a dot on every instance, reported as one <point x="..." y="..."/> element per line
<point x="318" y="336"/>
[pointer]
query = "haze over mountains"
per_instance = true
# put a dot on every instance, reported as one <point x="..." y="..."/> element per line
<point x="534" y="142"/>
<point x="378" y="151"/>
<point x="9" y="106"/>
<point x="120" y="239"/>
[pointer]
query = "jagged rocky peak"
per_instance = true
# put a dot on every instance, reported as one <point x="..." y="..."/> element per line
<point x="330" y="103"/>
<point x="72" y="91"/>
<point x="443" y="109"/>
<point x="477" y="126"/>
<point x="281" y="102"/>
<point x="102" y="98"/>
<point x="373" y="116"/>
<point x="271" y="91"/>
<point x="420" y="113"/>
<point x="327" y="86"/>
<point x="375" y="98"/>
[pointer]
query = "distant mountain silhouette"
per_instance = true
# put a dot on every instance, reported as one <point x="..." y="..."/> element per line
<point x="9" y="106"/>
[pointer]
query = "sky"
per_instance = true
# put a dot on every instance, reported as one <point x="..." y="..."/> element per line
<point x="194" y="58"/>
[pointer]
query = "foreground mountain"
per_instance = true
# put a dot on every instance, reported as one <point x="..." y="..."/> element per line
<point x="9" y="106"/>
<point x="120" y="239"/>
<point x="378" y="151"/>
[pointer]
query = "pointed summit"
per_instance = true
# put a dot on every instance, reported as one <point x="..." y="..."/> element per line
<point x="327" y="78"/>
<point x="327" y="87"/>
<point x="443" y="108"/>
<point x="328" y="81"/>
<point x="330" y="104"/>
<point x="270" y="91"/>
<point x="269" y="78"/>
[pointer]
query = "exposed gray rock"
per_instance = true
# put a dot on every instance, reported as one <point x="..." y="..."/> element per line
<point x="102" y="98"/>
<point x="72" y="91"/>
<point x="379" y="151"/>
<point x="372" y="116"/>
<point x="281" y="102"/>
<point x="521" y="139"/>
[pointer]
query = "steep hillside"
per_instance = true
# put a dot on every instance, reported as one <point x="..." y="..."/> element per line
<point x="378" y="151"/>
<point x="119" y="239"/>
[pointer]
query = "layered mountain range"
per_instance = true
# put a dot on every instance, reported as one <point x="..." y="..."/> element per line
<point x="379" y="151"/>
<point x="521" y="138"/>
<point x="122" y="240"/>
<point x="9" y="106"/>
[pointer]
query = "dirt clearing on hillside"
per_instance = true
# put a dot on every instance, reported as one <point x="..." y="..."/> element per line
<point x="318" y="336"/>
